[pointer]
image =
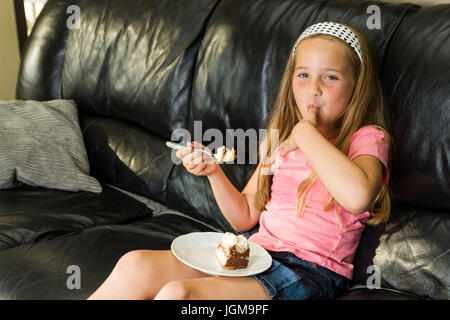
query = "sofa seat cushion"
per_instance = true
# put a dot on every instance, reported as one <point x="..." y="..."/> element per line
<point x="411" y="252"/>
<point x="376" y="294"/>
<point x="40" y="270"/>
<point x="32" y="214"/>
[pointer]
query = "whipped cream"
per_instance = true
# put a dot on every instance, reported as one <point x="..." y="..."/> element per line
<point x="223" y="154"/>
<point x="229" y="239"/>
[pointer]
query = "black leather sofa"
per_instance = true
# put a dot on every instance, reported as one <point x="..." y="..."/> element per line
<point x="138" y="70"/>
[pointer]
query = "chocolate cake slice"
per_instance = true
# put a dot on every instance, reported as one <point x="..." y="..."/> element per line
<point x="233" y="252"/>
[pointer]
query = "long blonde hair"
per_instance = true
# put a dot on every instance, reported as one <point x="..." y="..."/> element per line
<point x="366" y="107"/>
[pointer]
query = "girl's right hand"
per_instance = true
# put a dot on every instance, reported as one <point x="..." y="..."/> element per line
<point x="197" y="162"/>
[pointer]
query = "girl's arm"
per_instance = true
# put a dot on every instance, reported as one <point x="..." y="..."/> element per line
<point x="236" y="207"/>
<point x="354" y="184"/>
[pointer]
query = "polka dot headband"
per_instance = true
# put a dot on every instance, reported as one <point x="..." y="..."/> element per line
<point x="335" y="29"/>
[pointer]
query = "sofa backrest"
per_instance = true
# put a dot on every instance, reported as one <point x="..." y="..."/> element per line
<point x="134" y="60"/>
<point x="416" y="82"/>
<point x="44" y="54"/>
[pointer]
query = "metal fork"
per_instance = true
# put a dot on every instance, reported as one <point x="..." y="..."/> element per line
<point x="177" y="146"/>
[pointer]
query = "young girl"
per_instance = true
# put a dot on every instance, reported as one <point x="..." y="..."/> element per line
<point x="330" y="176"/>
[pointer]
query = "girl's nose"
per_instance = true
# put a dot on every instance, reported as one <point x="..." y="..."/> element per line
<point x="314" y="88"/>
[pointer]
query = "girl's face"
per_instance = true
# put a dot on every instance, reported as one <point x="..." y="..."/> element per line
<point x="323" y="79"/>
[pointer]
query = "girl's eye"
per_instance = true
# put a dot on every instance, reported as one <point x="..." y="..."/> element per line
<point x="305" y="75"/>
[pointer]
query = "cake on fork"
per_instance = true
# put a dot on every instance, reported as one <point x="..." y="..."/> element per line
<point x="225" y="155"/>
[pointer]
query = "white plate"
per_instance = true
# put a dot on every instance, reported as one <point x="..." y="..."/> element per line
<point x="197" y="250"/>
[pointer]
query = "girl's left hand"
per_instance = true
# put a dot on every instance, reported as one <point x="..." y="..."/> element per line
<point x="289" y="144"/>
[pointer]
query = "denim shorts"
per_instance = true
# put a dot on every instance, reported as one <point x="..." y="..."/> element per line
<point x="292" y="278"/>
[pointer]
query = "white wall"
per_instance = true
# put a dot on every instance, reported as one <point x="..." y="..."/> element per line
<point x="9" y="50"/>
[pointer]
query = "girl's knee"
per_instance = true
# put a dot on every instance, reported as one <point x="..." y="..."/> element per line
<point x="175" y="290"/>
<point x="133" y="264"/>
<point x="131" y="260"/>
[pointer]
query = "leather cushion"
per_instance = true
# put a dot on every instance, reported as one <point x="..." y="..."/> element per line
<point x="416" y="86"/>
<point x="127" y="156"/>
<point x="411" y="252"/>
<point x="42" y="58"/>
<point x="375" y="294"/>
<point x="33" y="214"/>
<point x="39" y="270"/>
<point x="134" y="60"/>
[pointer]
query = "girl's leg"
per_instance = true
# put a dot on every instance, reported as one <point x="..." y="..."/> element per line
<point x="214" y="288"/>
<point x="140" y="274"/>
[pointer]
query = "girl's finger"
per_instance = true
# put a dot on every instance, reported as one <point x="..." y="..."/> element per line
<point x="201" y="146"/>
<point x="187" y="158"/>
<point x="193" y="158"/>
<point x="184" y="151"/>
<point x="197" y="145"/>
<point x="181" y="153"/>
<point x="199" y="168"/>
<point x="197" y="157"/>
<point x="311" y="115"/>
<point x="195" y="169"/>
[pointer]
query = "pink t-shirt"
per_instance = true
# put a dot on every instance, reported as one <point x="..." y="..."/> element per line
<point x="316" y="236"/>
